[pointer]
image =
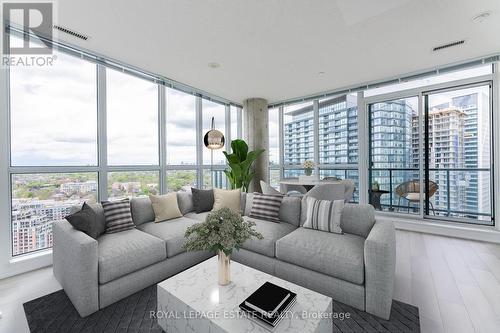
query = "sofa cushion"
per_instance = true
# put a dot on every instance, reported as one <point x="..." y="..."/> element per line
<point x="357" y="219"/>
<point x="85" y="220"/>
<point x="340" y="256"/>
<point x="266" y="207"/>
<point x="324" y="215"/>
<point x="171" y="232"/>
<point x="330" y="192"/>
<point x="201" y="217"/>
<point x="203" y="200"/>
<point x="165" y="206"/>
<point x="271" y="231"/>
<point x="142" y="210"/>
<point x="125" y="252"/>
<point x="118" y="215"/>
<point x="99" y="212"/>
<point x="289" y="209"/>
<point x="227" y="199"/>
<point x="185" y="201"/>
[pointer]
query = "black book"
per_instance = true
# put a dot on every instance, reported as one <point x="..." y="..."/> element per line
<point x="268" y="299"/>
<point x="269" y="322"/>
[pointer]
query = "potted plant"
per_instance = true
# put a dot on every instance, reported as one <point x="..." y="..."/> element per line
<point x="240" y="162"/>
<point x="223" y="232"/>
<point x="308" y="166"/>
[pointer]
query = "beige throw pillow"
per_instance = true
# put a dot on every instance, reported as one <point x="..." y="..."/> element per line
<point x="165" y="207"/>
<point x="227" y="199"/>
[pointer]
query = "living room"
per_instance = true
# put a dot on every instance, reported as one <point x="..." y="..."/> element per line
<point x="250" y="166"/>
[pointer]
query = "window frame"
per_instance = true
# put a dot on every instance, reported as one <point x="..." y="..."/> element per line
<point x="420" y="93"/>
<point x="102" y="169"/>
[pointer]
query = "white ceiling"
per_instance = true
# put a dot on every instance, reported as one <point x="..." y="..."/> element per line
<point x="275" y="49"/>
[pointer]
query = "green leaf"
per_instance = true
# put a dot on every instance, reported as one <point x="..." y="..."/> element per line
<point x="240" y="163"/>
<point x="240" y="149"/>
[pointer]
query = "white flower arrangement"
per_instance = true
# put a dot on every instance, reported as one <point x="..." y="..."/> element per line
<point x="308" y="164"/>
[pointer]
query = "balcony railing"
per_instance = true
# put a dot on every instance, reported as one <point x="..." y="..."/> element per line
<point x="461" y="192"/>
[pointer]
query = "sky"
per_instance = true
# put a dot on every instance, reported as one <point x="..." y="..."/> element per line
<point x="54" y="118"/>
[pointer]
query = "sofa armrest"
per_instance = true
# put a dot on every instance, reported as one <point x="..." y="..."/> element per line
<point x="75" y="266"/>
<point x="380" y="265"/>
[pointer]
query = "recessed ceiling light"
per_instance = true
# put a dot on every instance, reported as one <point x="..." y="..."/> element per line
<point x="481" y="17"/>
<point x="213" y="65"/>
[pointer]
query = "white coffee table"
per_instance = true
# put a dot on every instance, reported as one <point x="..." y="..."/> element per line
<point x="192" y="301"/>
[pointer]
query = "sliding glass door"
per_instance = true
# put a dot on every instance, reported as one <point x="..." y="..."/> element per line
<point x="458" y="154"/>
<point x="394" y="158"/>
<point x="431" y="153"/>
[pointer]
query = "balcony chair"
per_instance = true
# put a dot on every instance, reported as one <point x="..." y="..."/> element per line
<point x="410" y="191"/>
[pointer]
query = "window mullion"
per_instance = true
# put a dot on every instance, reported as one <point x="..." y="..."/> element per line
<point x="363" y="148"/>
<point x="316" y="136"/>
<point x="199" y="146"/>
<point x="281" y="142"/>
<point x="162" y="137"/>
<point x="102" y="142"/>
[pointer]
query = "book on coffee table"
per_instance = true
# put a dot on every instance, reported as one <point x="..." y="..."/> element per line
<point x="268" y="323"/>
<point x="268" y="304"/>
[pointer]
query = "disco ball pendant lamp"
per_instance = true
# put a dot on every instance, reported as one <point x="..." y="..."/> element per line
<point x="213" y="140"/>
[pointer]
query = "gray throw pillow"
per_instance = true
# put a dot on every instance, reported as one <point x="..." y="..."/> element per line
<point x="118" y="215"/>
<point x="266" y="207"/>
<point x="85" y="220"/>
<point x="203" y="200"/>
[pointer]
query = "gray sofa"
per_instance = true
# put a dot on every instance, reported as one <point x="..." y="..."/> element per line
<point x="356" y="268"/>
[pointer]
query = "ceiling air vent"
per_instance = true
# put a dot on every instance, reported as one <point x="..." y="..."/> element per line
<point x="71" y="32"/>
<point x="445" y="46"/>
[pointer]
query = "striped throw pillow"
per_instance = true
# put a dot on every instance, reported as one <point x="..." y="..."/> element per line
<point x="266" y="207"/>
<point x="324" y="215"/>
<point x="118" y="216"/>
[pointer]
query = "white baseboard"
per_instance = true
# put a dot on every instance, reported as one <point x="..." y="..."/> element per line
<point x="479" y="233"/>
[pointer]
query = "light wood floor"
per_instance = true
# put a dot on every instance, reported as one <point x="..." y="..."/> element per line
<point x="455" y="283"/>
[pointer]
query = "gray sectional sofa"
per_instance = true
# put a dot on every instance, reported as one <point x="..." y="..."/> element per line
<point x="356" y="268"/>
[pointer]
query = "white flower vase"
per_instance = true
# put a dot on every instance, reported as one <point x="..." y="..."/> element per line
<point x="224" y="263"/>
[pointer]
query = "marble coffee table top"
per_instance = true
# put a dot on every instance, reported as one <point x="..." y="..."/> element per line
<point x="196" y="290"/>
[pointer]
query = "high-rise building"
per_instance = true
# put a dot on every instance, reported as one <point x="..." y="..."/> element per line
<point x="338" y="130"/>
<point x="475" y="185"/>
<point x="391" y="145"/>
<point x="446" y="155"/>
<point x="338" y="135"/>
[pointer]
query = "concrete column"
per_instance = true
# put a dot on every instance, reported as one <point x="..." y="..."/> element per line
<point x="256" y="134"/>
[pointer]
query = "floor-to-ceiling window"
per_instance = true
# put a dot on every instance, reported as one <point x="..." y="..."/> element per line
<point x="181" y="146"/>
<point x="298" y="137"/>
<point x="132" y="136"/>
<point x="458" y="150"/>
<point x="394" y="154"/>
<point x="338" y="139"/>
<point x="81" y="130"/>
<point x="431" y="147"/>
<point x="53" y="127"/>
<point x="324" y="131"/>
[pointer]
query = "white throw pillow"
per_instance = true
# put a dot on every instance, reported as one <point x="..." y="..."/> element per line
<point x="165" y="206"/>
<point x="324" y="215"/>
<point x="227" y="199"/>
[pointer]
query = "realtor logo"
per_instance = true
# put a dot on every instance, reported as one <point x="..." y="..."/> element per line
<point x="35" y="19"/>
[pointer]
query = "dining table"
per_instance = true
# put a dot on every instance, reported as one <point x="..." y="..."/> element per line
<point x="308" y="184"/>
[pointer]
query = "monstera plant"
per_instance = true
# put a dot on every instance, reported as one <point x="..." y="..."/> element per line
<point x="240" y="162"/>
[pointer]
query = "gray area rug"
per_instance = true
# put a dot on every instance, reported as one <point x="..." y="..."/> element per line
<point x="55" y="313"/>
